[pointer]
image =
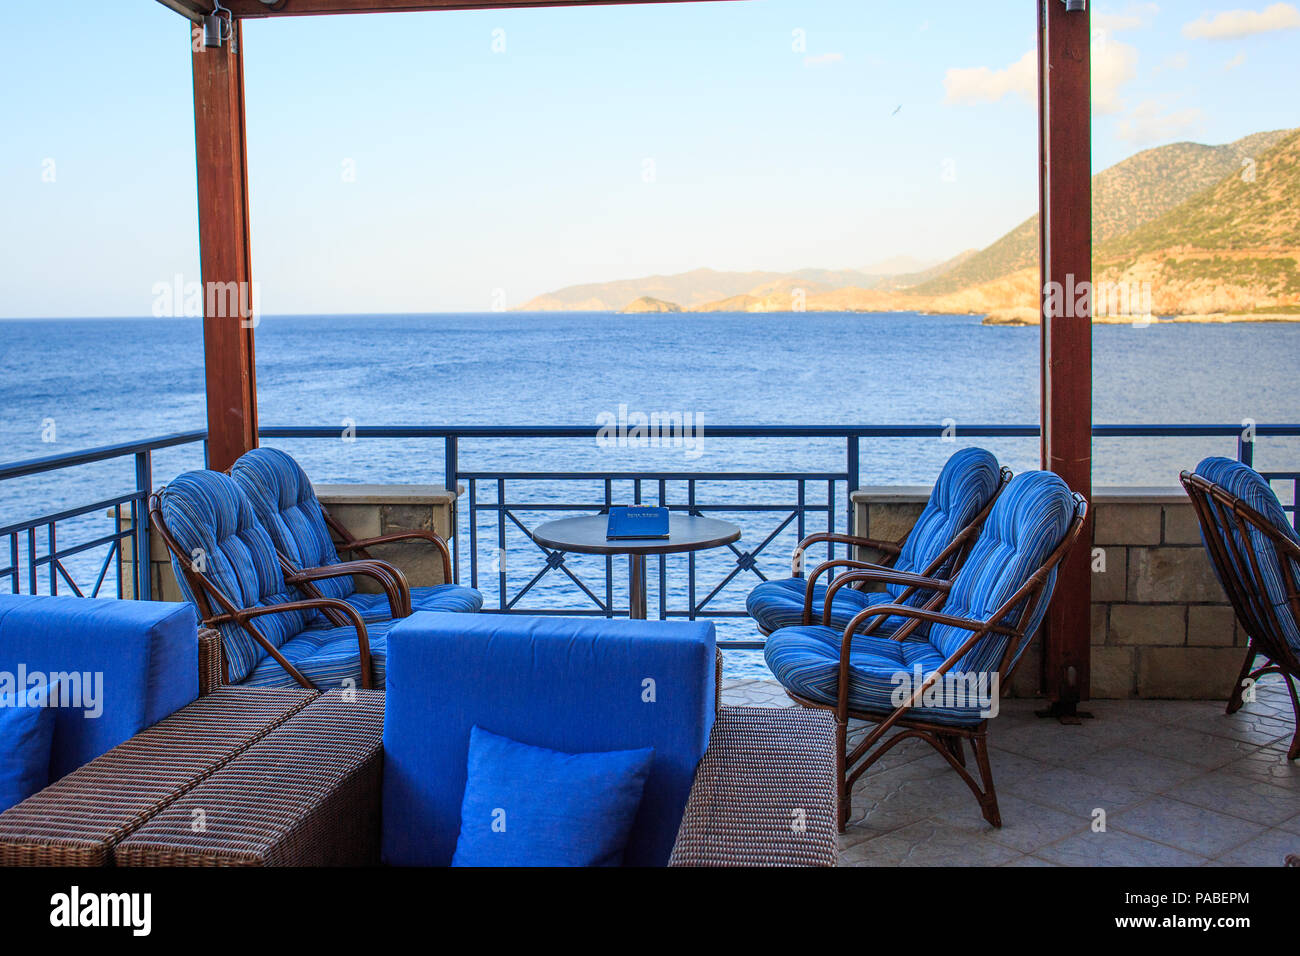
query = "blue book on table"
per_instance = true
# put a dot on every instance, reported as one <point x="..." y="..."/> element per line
<point x="637" y="522"/>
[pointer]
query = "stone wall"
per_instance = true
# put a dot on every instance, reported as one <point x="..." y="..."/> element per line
<point x="1161" y="624"/>
<point x="366" y="511"/>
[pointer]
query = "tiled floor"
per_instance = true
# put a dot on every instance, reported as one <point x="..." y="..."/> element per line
<point x="1144" y="783"/>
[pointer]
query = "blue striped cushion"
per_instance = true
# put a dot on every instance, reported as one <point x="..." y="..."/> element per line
<point x="211" y="518"/>
<point x="1028" y="522"/>
<point x="806" y="660"/>
<point x="440" y="597"/>
<point x="287" y="506"/>
<point x="777" y="604"/>
<point x="326" y="656"/>
<point x="1252" y="488"/>
<point x="968" y="481"/>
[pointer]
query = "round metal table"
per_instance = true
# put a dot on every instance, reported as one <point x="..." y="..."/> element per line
<point x="586" y="535"/>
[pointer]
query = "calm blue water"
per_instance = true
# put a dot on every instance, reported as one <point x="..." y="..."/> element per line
<point x="98" y="382"/>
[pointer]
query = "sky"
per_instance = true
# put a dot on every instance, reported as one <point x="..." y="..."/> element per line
<point x="469" y="160"/>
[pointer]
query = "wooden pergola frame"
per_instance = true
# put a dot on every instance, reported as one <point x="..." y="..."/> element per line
<point x="1065" y="210"/>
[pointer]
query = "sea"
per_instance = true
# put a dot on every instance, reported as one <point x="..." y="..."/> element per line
<point x="72" y="384"/>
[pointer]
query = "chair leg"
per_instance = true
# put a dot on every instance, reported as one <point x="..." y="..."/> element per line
<point x="956" y="748"/>
<point x="1294" y="750"/>
<point x="841" y="772"/>
<point x="989" y="799"/>
<point x="1234" y="699"/>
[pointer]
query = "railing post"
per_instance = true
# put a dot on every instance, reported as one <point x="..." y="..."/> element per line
<point x="1246" y="449"/>
<point x="451" y="481"/>
<point x="143" y="559"/>
<point x="854" y="478"/>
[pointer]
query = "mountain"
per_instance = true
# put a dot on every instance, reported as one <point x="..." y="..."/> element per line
<point x="1206" y="229"/>
<point x="1125" y="196"/>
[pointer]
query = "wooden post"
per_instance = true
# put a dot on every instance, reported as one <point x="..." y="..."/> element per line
<point x="1065" y="216"/>
<point x="226" y="265"/>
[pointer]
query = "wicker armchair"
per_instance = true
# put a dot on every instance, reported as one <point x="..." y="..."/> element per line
<point x="989" y="615"/>
<point x="1256" y="555"/>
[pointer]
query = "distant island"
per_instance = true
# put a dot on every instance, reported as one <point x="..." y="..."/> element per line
<point x="1212" y="233"/>
<point x="650" y="304"/>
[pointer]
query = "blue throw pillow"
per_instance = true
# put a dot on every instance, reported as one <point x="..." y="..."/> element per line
<point x="529" y="806"/>
<point x="26" y="734"/>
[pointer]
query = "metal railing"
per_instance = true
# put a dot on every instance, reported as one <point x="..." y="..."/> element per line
<point x="498" y="508"/>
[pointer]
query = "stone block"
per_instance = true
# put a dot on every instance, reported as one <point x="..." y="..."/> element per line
<point x="1211" y="625"/>
<point x="1152" y="624"/>
<point x="1181" y="526"/>
<point x="1130" y="524"/>
<point x="1112" y="672"/>
<point x="1187" y="673"/>
<point x="1171" y="574"/>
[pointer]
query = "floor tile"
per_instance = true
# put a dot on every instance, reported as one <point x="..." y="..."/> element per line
<point x="1195" y="829"/>
<point x="1115" y="848"/>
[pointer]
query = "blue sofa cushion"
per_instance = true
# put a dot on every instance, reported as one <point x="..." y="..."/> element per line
<point x="288" y="508"/>
<point x="26" y="734"/>
<point x="212" y="518"/>
<point x="530" y="806"/>
<point x="1252" y="488"/>
<point x="130" y="663"/>
<point x="576" y="685"/>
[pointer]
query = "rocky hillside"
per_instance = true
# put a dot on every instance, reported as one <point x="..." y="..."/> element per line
<point x="1129" y="194"/>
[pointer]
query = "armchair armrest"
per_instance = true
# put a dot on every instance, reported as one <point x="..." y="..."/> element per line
<point x="765" y="794"/>
<point x="389" y="578"/>
<point x="359" y="546"/>
<point x="889" y="548"/>
<point x="825" y="566"/>
<point x="889" y="576"/>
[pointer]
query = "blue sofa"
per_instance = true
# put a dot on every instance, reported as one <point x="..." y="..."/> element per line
<point x="572" y="685"/>
<point x="142" y="658"/>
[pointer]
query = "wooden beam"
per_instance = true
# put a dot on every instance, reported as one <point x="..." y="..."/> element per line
<point x="299" y="8"/>
<point x="1065" y="218"/>
<point x="226" y="262"/>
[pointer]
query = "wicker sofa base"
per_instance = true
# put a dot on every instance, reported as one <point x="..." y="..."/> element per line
<point x="80" y="819"/>
<point x="765" y="793"/>
<point x="306" y="794"/>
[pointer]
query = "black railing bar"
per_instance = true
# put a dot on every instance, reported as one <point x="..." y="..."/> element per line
<point x="43" y="559"/>
<point x="35" y="466"/>
<point x="657" y="475"/>
<point x="73" y="513"/>
<point x="914" y="430"/>
<point x="58" y="566"/>
<point x="103" y="572"/>
<point x="600" y="506"/>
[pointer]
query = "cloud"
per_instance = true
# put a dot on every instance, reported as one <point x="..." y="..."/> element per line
<point x="1241" y="23"/>
<point x="1235" y="62"/>
<point x="823" y="59"/>
<point x="983" y="85"/>
<point x="1175" y="61"/>
<point x="1151" y="123"/>
<point x="1113" y="65"/>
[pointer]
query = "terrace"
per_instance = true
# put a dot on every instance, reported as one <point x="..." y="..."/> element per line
<point x="1111" y="748"/>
